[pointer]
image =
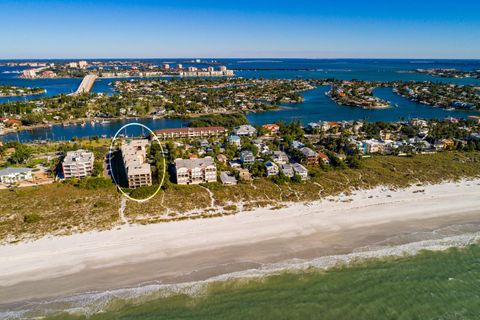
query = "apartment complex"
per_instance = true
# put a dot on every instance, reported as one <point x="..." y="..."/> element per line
<point x="13" y="175"/>
<point x="195" y="171"/>
<point x="78" y="164"/>
<point x="137" y="170"/>
<point x="188" y="133"/>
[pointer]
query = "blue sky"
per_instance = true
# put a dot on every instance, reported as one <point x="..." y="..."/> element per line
<point x="304" y="29"/>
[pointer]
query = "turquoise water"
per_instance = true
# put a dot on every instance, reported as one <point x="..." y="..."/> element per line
<point x="431" y="285"/>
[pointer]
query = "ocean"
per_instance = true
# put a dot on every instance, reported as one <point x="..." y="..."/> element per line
<point x="316" y="106"/>
<point x="390" y="281"/>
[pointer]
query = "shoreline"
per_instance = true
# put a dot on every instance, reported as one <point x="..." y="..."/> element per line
<point x="360" y="224"/>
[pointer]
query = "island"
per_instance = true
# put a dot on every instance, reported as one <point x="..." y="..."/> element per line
<point x="450" y="73"/>
<point x="14" y="91"/>
<point x="357" y="94"/>
<point x="443" y="95"/>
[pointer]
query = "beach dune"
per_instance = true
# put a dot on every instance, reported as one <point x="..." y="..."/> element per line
<point x="200" y="249"/>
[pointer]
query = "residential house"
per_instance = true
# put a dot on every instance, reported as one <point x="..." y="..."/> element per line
<point x="235" y="140"/>
<point x="244" y="174"/>
<point x="272" y="169"/>
<point x="247" y="157"/>
<point x="300" y="170"/>
<point x="195" y="171"/>
<point x="297" y="144"/>
<point x="287" y="170"/>
<point x="227" y="178"/>
<point x="245" y="131"/>
<point x="280" y="157"/>
<point x="324" y="158"/>
<point x="310" y="156"/>
<point x="222" y="158"/>
<point x="272" y="128"/>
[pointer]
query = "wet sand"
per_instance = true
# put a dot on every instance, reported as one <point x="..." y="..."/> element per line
<point x="195" y="250"/>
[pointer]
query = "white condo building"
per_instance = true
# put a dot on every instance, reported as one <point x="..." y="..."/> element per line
<point x="195" y="171"/>
<point x="78" y="164"/>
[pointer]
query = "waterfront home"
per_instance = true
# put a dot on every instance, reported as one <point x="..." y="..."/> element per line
<point x="137" y="170"/>
<point x="195" y="171"/>
<point x="247" y="157"/>
<point x="419" y="123"/>
<point x="272" y="128"/>
<point x="78" y="164"/>
<point x="287" y="170"/>
<point x="235" y="140"/>
<point x="272" y="169"/>
<point x="245" y="131"/>
<point x="13" y="175"/>
<point x="300" y="170"/>
<point x="190" y="133"/>
<point x="279" y="157"/>
<point x="227" y="178"/>
<point x="310" y="156"/>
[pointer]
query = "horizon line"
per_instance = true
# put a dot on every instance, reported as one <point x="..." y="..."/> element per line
<point x="235" y="58"/>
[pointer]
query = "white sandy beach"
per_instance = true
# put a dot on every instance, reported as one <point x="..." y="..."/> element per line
<point x="200" y="249"/>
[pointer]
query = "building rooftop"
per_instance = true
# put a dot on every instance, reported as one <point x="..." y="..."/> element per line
<point x="134" y="157"/>
<point x="8" y="171"/>
<point x="78" y="156"/>
<point x="194" y="163"/>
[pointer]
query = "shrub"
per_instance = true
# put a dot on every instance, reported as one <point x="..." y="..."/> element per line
<point x="31" y="218"/>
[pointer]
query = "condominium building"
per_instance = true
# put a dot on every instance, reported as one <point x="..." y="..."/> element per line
<point x="13" y="175"/>
<point x="195" y="171"/>
<point x="137" y="170"/>
<point x="82" y="64"/>
<point x="78" y="164"/>
<point x="30" y="73"/>
<point x="188" y="133"/>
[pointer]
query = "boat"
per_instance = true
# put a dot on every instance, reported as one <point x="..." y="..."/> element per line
<point x="105" y="121"/>
<point x="450" y="109"/>
<point x="92" y="123"/>
<point x="83" y="124"/>
<point x="66" y="124"/>
<point x="396" y="105"/>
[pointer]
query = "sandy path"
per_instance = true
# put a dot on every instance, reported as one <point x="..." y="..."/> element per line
<point x="197" y="249"/>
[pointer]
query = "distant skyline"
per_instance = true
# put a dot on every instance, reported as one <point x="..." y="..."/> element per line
<point x="427" y="29"/>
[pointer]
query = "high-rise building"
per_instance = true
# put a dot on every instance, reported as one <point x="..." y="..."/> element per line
<point x="82" y="64"/>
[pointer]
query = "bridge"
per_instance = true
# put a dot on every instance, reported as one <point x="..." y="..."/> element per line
<point x="86" y="84"/>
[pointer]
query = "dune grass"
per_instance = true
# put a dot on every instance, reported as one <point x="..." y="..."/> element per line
<point x="64" y="208"/>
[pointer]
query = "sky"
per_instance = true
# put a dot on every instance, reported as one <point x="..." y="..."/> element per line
<point x="239" y="29"/>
